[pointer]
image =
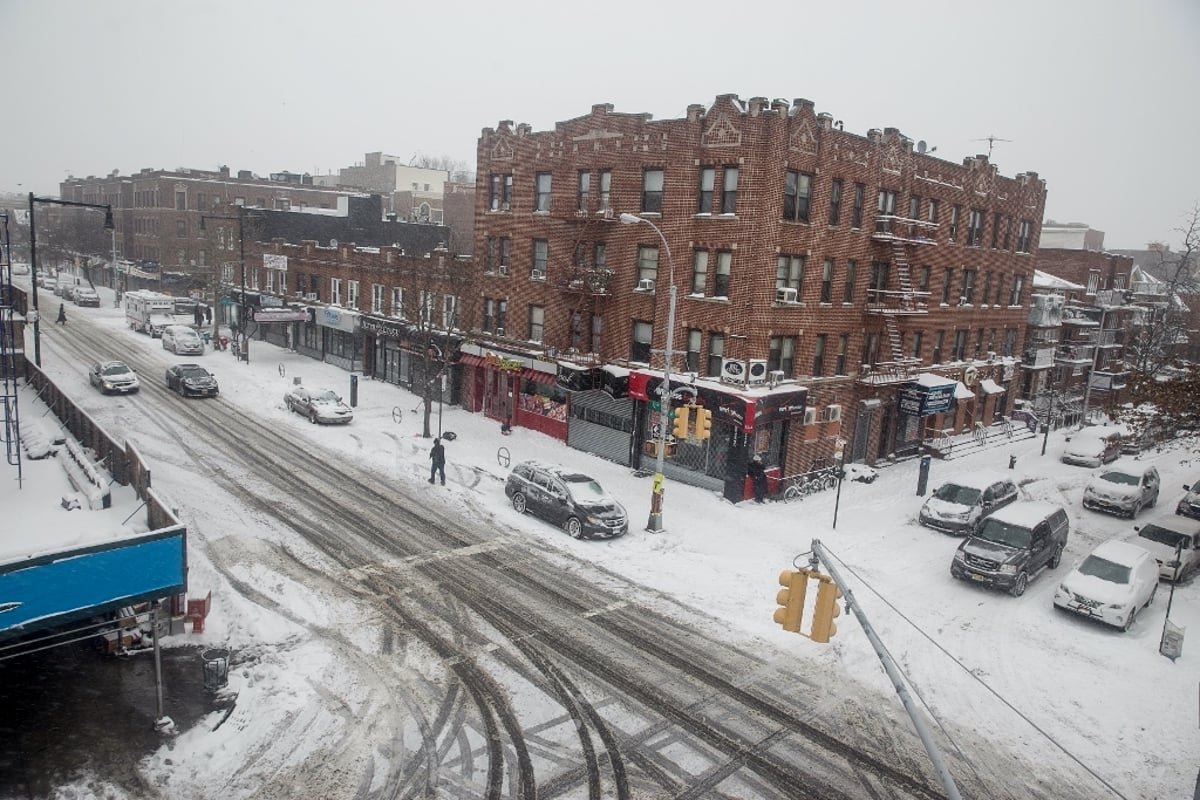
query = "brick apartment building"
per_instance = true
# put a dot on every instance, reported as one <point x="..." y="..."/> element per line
<point x="832" y="288"/>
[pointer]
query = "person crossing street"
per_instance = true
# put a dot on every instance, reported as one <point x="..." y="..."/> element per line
<point x="437" y="457"/>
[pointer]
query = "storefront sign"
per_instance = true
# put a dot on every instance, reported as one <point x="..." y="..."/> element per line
<point x="575" y="380"/>
<point x="504" y="364"/>
<point x="271" y="301"/>
<point x="268" y="315"/>
<point x="275" y="261"/>
<point x="744" y="413"/>
<point x="331" y="317"/>
<point x="379" y="327"/>
<point x="919" y="400"/>
<point x="613" y="384"/>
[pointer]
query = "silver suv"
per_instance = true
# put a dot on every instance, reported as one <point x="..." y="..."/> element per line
<point x="567" y="499"/>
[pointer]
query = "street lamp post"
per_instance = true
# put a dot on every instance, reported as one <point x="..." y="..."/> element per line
<point x="243" y="337"/>
<point x="654" y="524"/>
<point x="108" y="226"/>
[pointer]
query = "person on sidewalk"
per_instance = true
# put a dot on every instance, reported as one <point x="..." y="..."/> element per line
<point x="62" y="314"/>
<point x="758" y="478"/>
<point x="438" y="457"/>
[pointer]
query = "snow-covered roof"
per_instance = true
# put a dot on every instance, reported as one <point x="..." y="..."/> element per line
<point x="1026" y="513"/>
<point x="932" y="380"/>
<point x="961" y="392"/>
<point x="989" y="386"/>
<point x="1119" y="552"/>
<point x="1044" y="280"/>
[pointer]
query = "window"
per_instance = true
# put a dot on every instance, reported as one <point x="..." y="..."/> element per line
<point x="842" y="354"/>
<point x="851" y="276"/>
<point x="987" y="288"/>
<point x="797" y="195"/>
<point x="449" y="312"/>
<point x="827" y="281"/>
<point x="201" y="201"/>
<point x="537" y="316"/>
<point x="955" y="212"/>
<point x="647" y="263"/>
<point x="505" y="247"/>
<point x="870" y="349"/>
<point x="885" y="205"/>
<point x="707" y="182"/>
<point x="652" y="191"/>
<point x="991" y="342"/>
<point x="1018" y="284"/>
<point x="933" y="211"/>
<point x="917" y="338"/>
<point x="271" y="280"/>
<point x="947" y="282"/>
<point x="691" y="359"/>
<point x="877" y="290"/>
<point x="489" y="314"/>
<point x="541" y="256"/>
<point x="582" y="191"/>
<point x="967" y="297"/>
<point x="202" y="257"/>
<point x="975" y="228"/>
<point x="600" y="255"/>
<point x="605" y="189"/>
<point x="639" y="349"/>
<point x="939" y="340"/>
<point x="789" y="273"/>
<point x="377" y="298"/>
<point x="501" y="315"/>
<point x="835" y="201"/>
<point x="999" y="289"/>
<point x="716" y="353"/>
<point x="979" y="343"/>
<point x="541" y="197"/>
<point x="352" y="294"/>
<point x="1093" y="282"/>
<point x="489" y="256"/>
<point x="181" y="229"/>
<point x="1010" y="341"/>
<point x="506" y="193"/>
<point x="729" y="181"/>
<point x="577" y="330"/>
<point x="699" y="271"/>
<point x="1118" y="282"/>
<point x="995" y="230"/>
<point x="721" y="280"/>
<point x="1007" y="231"/>
<point x="398" y="302"/>
<point x="597" y="330"/>
<point x="428" y="298"/>
<point x="960" y="346"/>
<point x="818" y="367"/>
<point x="914" y="207"/>
<point x="181" y="200"/>
<point x="781" y="355"/>
<point x="335" y="291"/>
<point x="1024" y="236"/>
<point x="923" y="274"/>
<point x="860" y="193"/>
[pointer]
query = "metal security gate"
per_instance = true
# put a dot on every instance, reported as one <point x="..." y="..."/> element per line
<point x="601" y="424"/>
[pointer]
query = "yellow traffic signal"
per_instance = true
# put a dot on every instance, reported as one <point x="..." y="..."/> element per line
<point x="680" y="428"/>
<point x="703" y="423"/>
<point x="825" y="610"/>
<point x="791" y="599"/>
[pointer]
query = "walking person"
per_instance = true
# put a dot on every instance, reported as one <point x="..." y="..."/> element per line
<point x="62" y="314"/>
<point x="758" y="478"/>
<point x="438" y="457"/>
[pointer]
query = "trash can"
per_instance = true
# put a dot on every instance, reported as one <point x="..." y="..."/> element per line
<point x="216" y="668"/>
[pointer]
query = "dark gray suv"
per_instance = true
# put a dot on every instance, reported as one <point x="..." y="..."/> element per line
<point x="567" y="499"/>
<point x="1012" y="546"/>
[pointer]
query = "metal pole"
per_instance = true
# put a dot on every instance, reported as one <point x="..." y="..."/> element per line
<point x="37" y="317"/>
<point x="244" y="350"/>
<point x="158" y="681"/>
<point x="1049" y="421"/>
<point x="894" y="673"/>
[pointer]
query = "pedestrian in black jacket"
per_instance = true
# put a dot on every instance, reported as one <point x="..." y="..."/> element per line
<point x="438" y="457"/>
<point x="758" y="478"/>
<point x="62" y="314"/>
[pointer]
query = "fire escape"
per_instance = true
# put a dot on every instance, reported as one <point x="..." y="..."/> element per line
<point x="898" y="234"/>
<point x="8" y="350"/>
<point x="588" y="285"/>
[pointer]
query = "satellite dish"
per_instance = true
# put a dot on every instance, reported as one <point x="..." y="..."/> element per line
<point x="922" y="146"/>
<point x="333" y="242"/>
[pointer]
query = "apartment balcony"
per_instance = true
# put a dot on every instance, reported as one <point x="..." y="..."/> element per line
<point x="888" y="372"/>
<point x="1109" y="380"/>
<point x="896" y="302"/>
<point x="1073" y="355"/>
<point x="891" y="228"/>
<point x="581" y="280"/>
<point x="1041" y="356"/>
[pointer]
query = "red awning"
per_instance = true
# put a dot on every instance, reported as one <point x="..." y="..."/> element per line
<point x="470" y="360"/>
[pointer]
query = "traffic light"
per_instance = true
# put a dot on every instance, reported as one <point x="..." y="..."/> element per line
<point x="703" y="423"/>
<point x="680" y="428"/>
<point x="791" y="599"/>
<point x="825" y="610"/>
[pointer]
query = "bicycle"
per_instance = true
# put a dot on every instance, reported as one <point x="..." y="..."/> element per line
<point x="810" y="482"/>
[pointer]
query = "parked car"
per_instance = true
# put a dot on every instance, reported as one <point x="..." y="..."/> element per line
<point x="113" y="377"/>
<point x="319" y="405"/>
<point x="1092" y="448"/>
<point x="1174" y="541"/>
<point x="1112" y="584"/>
<point x="1123" y="488"/>
<point x="1013" y="545"/>
<point x="182" y="340"/>
<point x="959" y="505"/>
<point x="47" y="280"/>
<point x="566" y="498"/>
<point x="65" y="290"/>
<point x="86" y="296"/>
<point x="191" y="379"/>
<point x="1189" y="506"/>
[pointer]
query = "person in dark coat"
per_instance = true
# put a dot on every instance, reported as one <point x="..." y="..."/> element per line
<point x="438" y="457"/>
<point x="758" y="478"/>
<point x="62" y="314"/>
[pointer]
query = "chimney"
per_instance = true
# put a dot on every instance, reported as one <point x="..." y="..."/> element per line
<point x="757" y="104"/>
<point x="694" y="111"/>
<point x="825" y="121"/>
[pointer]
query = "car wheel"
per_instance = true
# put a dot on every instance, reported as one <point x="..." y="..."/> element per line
<point x="1018" y="587"/>
<point x="1129" y="620"/>
<point x="1153" y="592"/>
<point x="312" y="417"/>
<point x="574" y="528"/>
<point x="518" y="501"/>
<point x="1154" y="500"/>
<point x="1056" y="559"/>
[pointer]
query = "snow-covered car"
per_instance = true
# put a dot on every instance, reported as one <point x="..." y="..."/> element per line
<point x="1112" y="584"/>
<point x="86" y="296"/>
<point x="1174" y="541"/>
<point x="1122" y="488"/>
<point x="191" y="379"/>
<point x="113" y="377"/>
<point x="1189" y="506"/>
<point x="182" y="340"/>
<point x="959" y="505"/>
<point x="319" y="405"/>
<point x="568" y="499"/>
<point x="1013" y="545"/>
<point x="20" y="268"/>
<point x="1092" y="449"/>
<point x="859" y="472"/>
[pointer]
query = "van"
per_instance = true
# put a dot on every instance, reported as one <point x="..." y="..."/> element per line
<point x="1013" y="546"/>
<point x="959" y="505"/>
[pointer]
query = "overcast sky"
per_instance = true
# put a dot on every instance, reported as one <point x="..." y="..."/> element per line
<point x="1096" y="96"/>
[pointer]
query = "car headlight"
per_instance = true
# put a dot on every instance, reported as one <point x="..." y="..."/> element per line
<point x="1116" y="605"/>
<point x="958" y="556"/>
<point x="1008" y="569"/>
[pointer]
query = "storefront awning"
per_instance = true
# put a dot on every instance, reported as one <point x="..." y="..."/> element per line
<point x="989" y="386"/>
<point x="961" y="392"/>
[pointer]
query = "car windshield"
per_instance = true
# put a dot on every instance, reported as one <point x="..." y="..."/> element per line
<point x="998" y="532"/>
<point x="114" y="369"/>
<point x="194" y="372"/>
<point x="1163" y="536"/>
<point x="1195" y="487"/>
<point x="1104" y="569"/>
<point x="1086" y="444"/>
<point x="324" y="396"/>
<point x="1124" y="478"/>
<point x="954" y="493"/>
<point x="584" y="489"/>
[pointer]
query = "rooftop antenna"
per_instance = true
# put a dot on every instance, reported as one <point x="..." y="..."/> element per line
<point x="991" y="140"/>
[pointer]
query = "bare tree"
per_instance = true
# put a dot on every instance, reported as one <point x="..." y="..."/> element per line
<point x="459" y="170"/>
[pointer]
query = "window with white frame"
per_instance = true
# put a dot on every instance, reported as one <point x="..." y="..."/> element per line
<point x="721" y="278"/>
<point x="398" y="302"/>
<point x="537" y="319"/>
<point x="647" y="263"/>
<point x="449" y="312"/>
<point x="540" y="259"/>
<point x="271" y="280"/>
<point x="377" y="294"/>
<point x="428" y="299"/>
<point x="541" y="198"/>
<point x="729" y="182"/>
<point x="335" y="291"/>
<point x="1024" y="236"/>
<point x="789" y="273"/>
<point x="699" y="271"/>
<point x="352" y="294"/>
<point x="708" y="177"/>
<point x="797" y="196"/>
<point x="652" y="191"/>
<point x="605" y="189"/>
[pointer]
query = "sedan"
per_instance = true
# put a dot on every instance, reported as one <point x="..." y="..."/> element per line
<point x="319" y="405"/>
<point x="1124" y="488"/>
<point x="1189" y="506"/>
<point x="113" y="377"/>
<point x="191" y="379"/>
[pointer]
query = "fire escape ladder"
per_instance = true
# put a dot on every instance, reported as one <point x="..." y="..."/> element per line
<point x="904" y="276"/>
<point x="895" y="339"/>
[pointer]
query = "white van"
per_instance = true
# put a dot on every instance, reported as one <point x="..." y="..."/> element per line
<point x="182" y="340"/>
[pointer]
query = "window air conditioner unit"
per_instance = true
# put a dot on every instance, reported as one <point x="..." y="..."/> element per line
<point x="503" y="269"/>
<point x="833" y="413"/>
<point x="733" y="370"/>
<point x="311" y="297"/>
<point x="785" y="295"/>
<point x="499" y="331"/>
<point x="645" y="285"/>
<point x="537" y="275"/>
<point x="810" y="415"/>
<point x="775" y="377"/>
<point x="758" y="370"/>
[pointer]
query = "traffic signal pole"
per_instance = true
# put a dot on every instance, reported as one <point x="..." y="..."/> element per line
<point x="893" y="672"/>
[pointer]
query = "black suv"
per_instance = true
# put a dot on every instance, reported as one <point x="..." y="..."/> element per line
<point x="1013" y="545"/>
<point x="568" y="499"/>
